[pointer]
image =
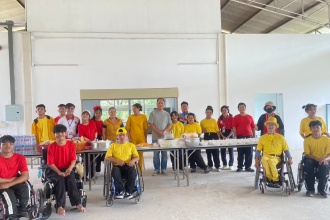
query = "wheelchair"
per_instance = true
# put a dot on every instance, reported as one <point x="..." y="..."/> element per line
<point x="109" y="190"/>
<point x="33" y="208"/>
<point x="47" y="195"/>
<point x="301" y="176"/>
<point x="283" y="168"/>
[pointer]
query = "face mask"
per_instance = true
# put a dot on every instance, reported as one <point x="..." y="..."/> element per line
<point x="269" y="110"/>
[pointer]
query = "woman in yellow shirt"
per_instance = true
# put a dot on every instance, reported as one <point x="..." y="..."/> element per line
<point x="177" y="130"/>
<point x="305" y="131"/>
<point x="211" y="132"/>
<point x="137" y="127"/>
<point x="195" y="156"/>
<point x="110" y="125"/>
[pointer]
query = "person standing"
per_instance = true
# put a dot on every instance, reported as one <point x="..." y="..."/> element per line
<point x="178" y="131"/>
<point x="244" y="127"/>
<point x="111" y="125"/>
<point x="225" y="124"/>
<point x="62" y="112"/>
<point x="211" y="132"/>
<point x="137" y="128"/>
<point x="160" y="122"/>
<point x="42" y="126"/>
<point x="184" y="113"/>
<point x="98" y="123"/>
<point x="305" y="131"/>
<point x="270" y="112"/>
<point x="70" y="121"/>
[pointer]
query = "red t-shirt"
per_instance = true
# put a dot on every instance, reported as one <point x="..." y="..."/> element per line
<point x="98" y="125"/>
<point x="87" y="131"/>
<point x="61" y="156"/>
<point x="244" y="125"/>
<point x="226" y="122"/>
<point x="56" y="119"/>
<point x="10" y="167"/>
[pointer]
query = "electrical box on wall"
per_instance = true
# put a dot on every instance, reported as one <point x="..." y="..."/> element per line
<point x="14" y="112"/>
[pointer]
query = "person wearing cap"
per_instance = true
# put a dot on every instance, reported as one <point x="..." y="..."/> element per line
<point x="62" y="112"/>
<point x="269" y="108"/>
<point x="305" y="130"/>
<point x="42" y="126"/>
<point x="137" y="128"/>
<point x="111" y="125"/>
<point x="272" y="145"/>
<point x="61" y="159"/>
<point x="70" y="121"/>
<point x="87" y="129"/>
<point x="317" y="156"/>
<point x="123" y="155"/>
<point x="13" y="173"/>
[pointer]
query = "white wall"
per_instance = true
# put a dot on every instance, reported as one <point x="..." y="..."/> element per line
<point x="124" y="16"/>
<point x="64" y="64"/>
<point x="296" y="65"/>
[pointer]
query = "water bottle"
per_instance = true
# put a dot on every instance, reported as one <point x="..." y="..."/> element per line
<point x="33" y="143"/>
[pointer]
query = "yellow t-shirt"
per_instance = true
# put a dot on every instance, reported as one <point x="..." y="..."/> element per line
<point x="124" y="152"/>
<point x="111" y="128"/>
<point x="318" y="148"/>
<point x="178" y="129"/>
<point x="210" y="124"/>
<point x="272" y="144"/>
<point x="43" y="126"/>
<point x="304" y="126"/>
<point x="137" y="125"/>
<point x="192" y="128"/>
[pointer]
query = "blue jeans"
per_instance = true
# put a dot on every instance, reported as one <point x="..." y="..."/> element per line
<point x="160" y="163"/>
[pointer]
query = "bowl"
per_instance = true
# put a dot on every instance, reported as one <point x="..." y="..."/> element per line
<point x="80" y="146"/>
<point x="192" y="142"/>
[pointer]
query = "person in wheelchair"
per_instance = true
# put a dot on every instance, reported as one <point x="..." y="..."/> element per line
<point x="13" y="174"/>
<point x="61" y="159"/>
<point x="317" y="155"/>
<point x="272" y="145"/>
<point x="123" y="155"/>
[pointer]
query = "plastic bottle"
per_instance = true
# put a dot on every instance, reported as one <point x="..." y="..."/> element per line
<point x="33" y="143"/>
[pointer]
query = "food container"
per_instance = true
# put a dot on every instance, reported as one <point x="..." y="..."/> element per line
<point x="169" y="143"/>
<point x="101" y="145"/>
<point x="192" y="142"/>
<point x="80" y="146"/>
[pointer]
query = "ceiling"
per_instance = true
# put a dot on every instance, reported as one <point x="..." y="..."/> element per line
<point x="237" y="16"/>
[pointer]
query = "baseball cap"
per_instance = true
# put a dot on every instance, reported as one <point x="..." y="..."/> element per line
<point x="121" y="131"/>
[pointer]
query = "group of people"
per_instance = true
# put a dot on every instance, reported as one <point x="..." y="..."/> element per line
<point x="61" y="156"/>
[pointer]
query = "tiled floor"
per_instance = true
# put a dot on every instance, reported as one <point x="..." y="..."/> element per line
<point x="224" y="195"/>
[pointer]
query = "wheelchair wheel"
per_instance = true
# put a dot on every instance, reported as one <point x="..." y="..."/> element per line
<point x="262" y="188"/>
<point x="40" y="198"/>
<point x="109" y="201"/>
<point x="287" y="189"/>
<point x="256" y="179"/>
<point x="291" y="178"/>
<point x="83" y="198"/>
<point x="46" y="211"/>
<point x="299" y="177"/>
<point x="140" y="179"/>
<point x="137" y="200"/>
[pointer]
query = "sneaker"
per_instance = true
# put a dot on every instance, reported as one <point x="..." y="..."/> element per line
<point x="155" y="173"/>
<point x="249" y="169"/>
<point x="323" y="194"/>
<point x="230" y="168"/>
<point x="23" y="211"/>
<point x="217" y="169"/>
<point x="224" y="168"/>
<point x="207" y="169"/>
<point x="193" y="170"/>
<point x="128" y="195"/>
<point x="120" y="195"/>
<point x="164" y="172"/>
<point x="270" y="184"/>
<point x="239" y="169"/>
<point x="277" y="184"/>
<point x="310" y="193"/>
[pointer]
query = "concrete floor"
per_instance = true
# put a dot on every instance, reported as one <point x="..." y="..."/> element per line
<point x="224" y="195"/>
